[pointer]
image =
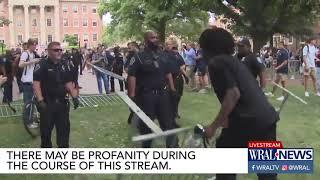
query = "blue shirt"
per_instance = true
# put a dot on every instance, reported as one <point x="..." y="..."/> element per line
<point x="282" y="55"/>
<point x="190" y="57"/>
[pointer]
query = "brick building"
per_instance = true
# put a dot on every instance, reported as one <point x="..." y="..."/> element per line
<point x="51" y="20"/>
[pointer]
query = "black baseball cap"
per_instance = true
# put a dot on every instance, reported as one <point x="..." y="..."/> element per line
<point x="244" y="41"/>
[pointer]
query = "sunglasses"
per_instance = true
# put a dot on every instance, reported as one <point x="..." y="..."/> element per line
<point x="56" y="50"/>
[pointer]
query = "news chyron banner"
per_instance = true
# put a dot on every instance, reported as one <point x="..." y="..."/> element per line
<point x="259" y="157"/>
<point x="271" y="157"/>
<point x="123" y="160"/>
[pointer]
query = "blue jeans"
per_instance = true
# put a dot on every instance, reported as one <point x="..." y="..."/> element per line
<point x="27" y="98"/>
<point x="101" y="76"/>
<point x="318" y="78"/>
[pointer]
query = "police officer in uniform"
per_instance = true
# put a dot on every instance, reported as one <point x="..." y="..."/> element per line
<point x="148" y="75"/>
<point x="52" y="81"/>
<point x="117" y="67"/>
<point x="177" y="67"/>
<point x="6" y="69"/>
<point x="254" y="64"/>
<point x="76" y="62"/>
<point x="245" y="113"/>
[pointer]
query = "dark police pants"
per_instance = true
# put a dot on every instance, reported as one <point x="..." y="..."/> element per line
<point x="56" y="114"/>
<point x="156" y="104"/>
<point x="238" y="137"/>
<point x="7" y="90"/>
<point x="112" y="82"/>
<point x="175" y="100"/>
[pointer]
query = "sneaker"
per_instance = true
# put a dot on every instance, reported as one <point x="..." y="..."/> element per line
<point x="306" y="94"/>
<point x="269" y="94"/>
<point x="203" y="91"/>
<point x="33" y="125"/>
<point x="281" y="98"/>
<point x="318" y="94"/>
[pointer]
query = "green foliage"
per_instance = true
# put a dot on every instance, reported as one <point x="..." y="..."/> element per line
<point x="131" y="18"/>
<point x="261" y="19"/>
<point x="4" y="21"/>
<point x="71" y="39"/>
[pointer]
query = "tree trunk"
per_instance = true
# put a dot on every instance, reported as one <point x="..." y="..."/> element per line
<point x="162" y="30"/>
<point x="258" y="42"/>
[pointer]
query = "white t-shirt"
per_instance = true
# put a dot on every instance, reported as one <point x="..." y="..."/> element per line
<point x="27" y="74"/>
<point x="310" y="55"/>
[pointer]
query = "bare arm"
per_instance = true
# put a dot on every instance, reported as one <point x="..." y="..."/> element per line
<point x="37" y="90"/>
<point x="71" y="89"/>
<point x="229" y="102"/>
<point x="170" y="82"/>
<point x="131" y="86"/>
<point x="262" y="79"/>
<point x="282" y="64"/>
<point x="23" y="64"/>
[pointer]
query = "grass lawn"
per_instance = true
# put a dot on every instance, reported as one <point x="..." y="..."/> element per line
<point x="106" y="127"/>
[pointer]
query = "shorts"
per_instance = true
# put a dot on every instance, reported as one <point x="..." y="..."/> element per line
<point x="309" y="72"/>
<point x="282" y="76"/>
<point x="202" y="70"/>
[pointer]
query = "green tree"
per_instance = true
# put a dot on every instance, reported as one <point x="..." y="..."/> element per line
<point x="4" y="21"/>
<point x="260" y="19"/>
<point x="132" y="18"/>
<point x="72" y="40"/>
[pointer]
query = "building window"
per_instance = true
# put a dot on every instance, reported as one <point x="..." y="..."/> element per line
<point x="94" y="37"/>
<point x="290" y="40"/>
<point x="49" y="23"/>
<point x="84" y="9"/>
<point x="19" y="23"/>
<point x="34" y="22"/>
<point x="85" y="22"/>
<point x="76" y="35"/>
<point x="48" y="9"/>
<point x="19" y="38"/>
<point x="49" y="38"/>
<point x="65" y="8"/>
<point x="85" y="37"/>
<point x="94" y="10"/>
<point x="75" y="22"/>
<point x="65" y="22"/>
<point x="94" y="23"/>
<point x="75" y="9"/>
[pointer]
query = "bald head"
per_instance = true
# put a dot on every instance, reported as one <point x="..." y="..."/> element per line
<point x="151" y="40"/>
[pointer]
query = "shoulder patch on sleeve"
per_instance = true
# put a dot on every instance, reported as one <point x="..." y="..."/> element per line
<point x="36" y="68"/>
<point x="132" y="60"/>
<point x="259" y="60"/>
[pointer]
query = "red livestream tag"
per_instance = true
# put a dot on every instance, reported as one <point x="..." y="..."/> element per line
<point x="265" y="145"/>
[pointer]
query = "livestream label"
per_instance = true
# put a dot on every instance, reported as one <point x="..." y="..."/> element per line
<point x="271" y="157"/>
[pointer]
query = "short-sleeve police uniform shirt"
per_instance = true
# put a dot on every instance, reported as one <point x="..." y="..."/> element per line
<point x="282" y="55"/>
<point x="175" y="61"/>
<point x="252" y="109"/>
<point x="150" y="69"/>
<point x="53" y="78"/>
<point x="254" y="64"/>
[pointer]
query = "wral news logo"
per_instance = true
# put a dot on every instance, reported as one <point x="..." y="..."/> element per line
<point x="271" y="157"/>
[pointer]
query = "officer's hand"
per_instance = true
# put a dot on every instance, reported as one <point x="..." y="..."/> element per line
<point x="42" y="106"/>
<point x="3" y="79"/>
<point x="187" y="80"/>
<point x="76" y="103"/>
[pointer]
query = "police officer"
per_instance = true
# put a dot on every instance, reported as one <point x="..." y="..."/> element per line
<point x="177" y="67"/>
<point x="255" y="65"/>
<point x="51" y="82"/>
<point x="6" y="69"/>
<point x="117" y="67"/>
<point x="147" y="76"/>
<point x="245" y="113"/>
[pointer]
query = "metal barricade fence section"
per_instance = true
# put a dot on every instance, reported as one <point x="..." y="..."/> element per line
<point x="91" y="101"/>
<point x="294" y="70"/>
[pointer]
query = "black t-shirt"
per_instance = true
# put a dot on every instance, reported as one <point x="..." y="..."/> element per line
<point x="253" y="108"/>
<point x="254" y="64"/>
<point x="282" y="55"/>
<point x="53" y="78"/>
<point x="150" y="69"/>
<point x="175" y="61"/>
<point x="118" y="65"/>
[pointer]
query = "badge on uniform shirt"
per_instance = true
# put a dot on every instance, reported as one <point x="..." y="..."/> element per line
<point x="50" y="70"/>
<point x="36" y="68"/>
<point x="132" y="60"/>
<point x="259" y="60"/>
<point x="156" y="64"/>
<point x="244" y="58"/>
